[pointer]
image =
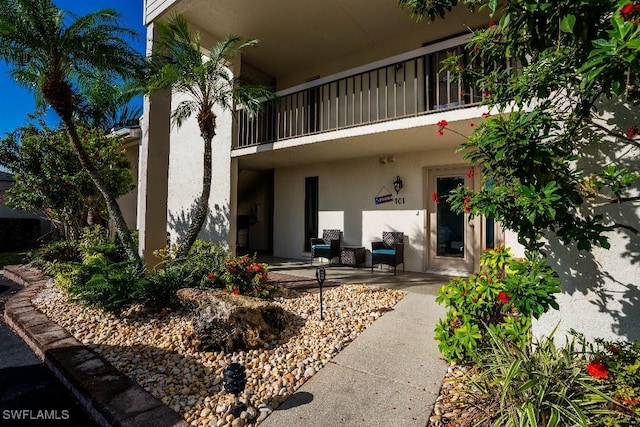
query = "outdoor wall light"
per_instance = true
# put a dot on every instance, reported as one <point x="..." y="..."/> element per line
<point x="235" y="379"/>
<point x="397" y="185"/>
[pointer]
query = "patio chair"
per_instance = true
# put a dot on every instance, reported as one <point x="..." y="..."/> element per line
<point x="327" y="247"/>
<point x="390" y="251"/>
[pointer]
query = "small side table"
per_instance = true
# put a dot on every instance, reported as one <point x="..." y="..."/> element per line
<point x="352" y="255"/>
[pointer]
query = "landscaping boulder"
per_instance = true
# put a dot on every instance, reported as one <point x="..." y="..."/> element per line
<point x="231" y="322"/>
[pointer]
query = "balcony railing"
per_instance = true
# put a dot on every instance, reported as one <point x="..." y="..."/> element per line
<point x="410" y="87"/>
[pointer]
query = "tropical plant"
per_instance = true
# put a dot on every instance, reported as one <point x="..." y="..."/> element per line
<point x="108" y="105"/>
<point x="616" y="366"/>
<point x="556" y="67"/>
<point x="500" y="300"/>
<point x="537" y="384"/>
<point x="49" y="177"/>
<point x="173" y="273"/>
<point x="51" y="51"/>
<point x="242" y="276"/>
<point x="177" y="64"/>
<point x="100" y="282"/>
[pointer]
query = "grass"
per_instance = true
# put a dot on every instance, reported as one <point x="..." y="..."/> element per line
<point x="8" y="258"/>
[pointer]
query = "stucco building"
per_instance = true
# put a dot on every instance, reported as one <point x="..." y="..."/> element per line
<point x="361" y="92"/>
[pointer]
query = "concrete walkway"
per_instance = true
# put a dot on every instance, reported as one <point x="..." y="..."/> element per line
<point x="389" y="376"/>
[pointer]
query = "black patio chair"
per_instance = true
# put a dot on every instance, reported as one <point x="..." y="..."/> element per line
<point x="327" y="247"/>
<point x="390" y="251"/>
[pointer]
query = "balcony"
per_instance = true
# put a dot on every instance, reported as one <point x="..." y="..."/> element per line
<point x="404" y="86"/>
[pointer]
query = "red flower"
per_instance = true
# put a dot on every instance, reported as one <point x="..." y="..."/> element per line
<point x="597" y="369"/>
<point x="503" y="297"/>
<point x="632" y="131"/>
<point x="472" y="125"/>
<point x="491" y="24"/>
<point x="470" y="173"/>
<point x="626" y="9"/>
<point x="486" y="93"/>
<point x="211" y="276"/>
<point x="443" y="123"/>
<point x="465" y="204"/>
<point x="485" y="115"/>
<point x="434" y="197"/>
<point x="246" y="258"/>
<point x="236" y="291"/>
<point x="257" y="268"/>
<point x="440" y="133"/>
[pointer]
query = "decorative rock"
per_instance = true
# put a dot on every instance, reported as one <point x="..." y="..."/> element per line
<point x="172" y="363"/>
<point x="309" y="372"/>
<point x="228" y="321"/>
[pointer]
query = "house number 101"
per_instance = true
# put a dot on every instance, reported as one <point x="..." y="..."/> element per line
<point x="399" y="200"/>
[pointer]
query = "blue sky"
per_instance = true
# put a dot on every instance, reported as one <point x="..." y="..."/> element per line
<point x="17" y="101"/>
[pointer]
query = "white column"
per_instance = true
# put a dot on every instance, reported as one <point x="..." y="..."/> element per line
<point x="153" y="170"/>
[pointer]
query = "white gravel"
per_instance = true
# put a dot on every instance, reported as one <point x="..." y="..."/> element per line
<point x="160" y="351"/>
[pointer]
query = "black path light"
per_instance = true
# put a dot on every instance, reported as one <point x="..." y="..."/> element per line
<point x="235" y="379"/>
<point x="321" y="274"/>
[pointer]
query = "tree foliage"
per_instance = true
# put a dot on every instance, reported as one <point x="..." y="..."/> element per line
<point x="49" y="177"/>
<point x="53" y="53"/>
<point x="564" y="80"/>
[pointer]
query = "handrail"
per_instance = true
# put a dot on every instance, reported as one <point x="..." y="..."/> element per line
<point x="407" y="85"/>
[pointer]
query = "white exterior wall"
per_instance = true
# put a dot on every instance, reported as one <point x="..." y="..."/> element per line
<point x="346" y="201"/>
<point x="185" y="177"/>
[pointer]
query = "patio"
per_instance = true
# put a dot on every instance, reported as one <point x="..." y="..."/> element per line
<point x="421" y="283"/>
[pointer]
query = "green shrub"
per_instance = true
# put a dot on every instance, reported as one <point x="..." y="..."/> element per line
<point x="60" y="251"/>
<point x="616" y="365"/>
<point x="500" y="298"/>
<point x="95" y="240"/>
<point x="536" y="385"/>
<point x="66" y="275"/>
<point x="177" y="273"/>
<point x="208" y="265"/>
<point x="242" y="276"/>
<point x="112" y="286"/>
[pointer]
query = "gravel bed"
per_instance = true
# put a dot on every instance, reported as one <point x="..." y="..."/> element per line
<point x="159" y="351"/>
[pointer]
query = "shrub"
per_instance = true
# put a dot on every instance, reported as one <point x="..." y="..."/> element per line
<point x="536" y="385"/>
<point x="208" y="265"/>
<point x="95" y="240"/>
<point x="60" y="251"/>
<point x="242" y="276"/>
<point x="616" y="365"/>
<point x="177" y="273"/>
<point x="112" y="286"/>
<point x="501" y="298"/>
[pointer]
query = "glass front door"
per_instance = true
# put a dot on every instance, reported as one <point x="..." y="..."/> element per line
<point x="451" y="233"/>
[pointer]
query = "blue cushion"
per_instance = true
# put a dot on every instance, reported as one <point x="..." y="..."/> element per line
<point x="384" y="252"/>
<point x="321" y="247"/>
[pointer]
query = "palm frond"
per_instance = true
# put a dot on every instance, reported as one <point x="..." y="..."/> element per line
<point x="183" y="111"/>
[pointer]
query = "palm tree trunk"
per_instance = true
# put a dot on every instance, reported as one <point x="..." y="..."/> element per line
<point x="201" y="209"/>
<point x="112" y="205"/>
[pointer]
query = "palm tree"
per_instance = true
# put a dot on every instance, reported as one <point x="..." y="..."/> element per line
<point x="51" y="51"/>
<point x="108" y="104"/>
<point x="178" y="64"/>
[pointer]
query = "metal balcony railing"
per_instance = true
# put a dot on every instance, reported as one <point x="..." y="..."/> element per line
<point x="410" y="87"/>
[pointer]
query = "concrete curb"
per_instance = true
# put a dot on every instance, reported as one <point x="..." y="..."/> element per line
<point x="111" y="398"/>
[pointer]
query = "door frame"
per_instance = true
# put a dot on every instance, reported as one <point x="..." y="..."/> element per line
<point x="473" y="236"/>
